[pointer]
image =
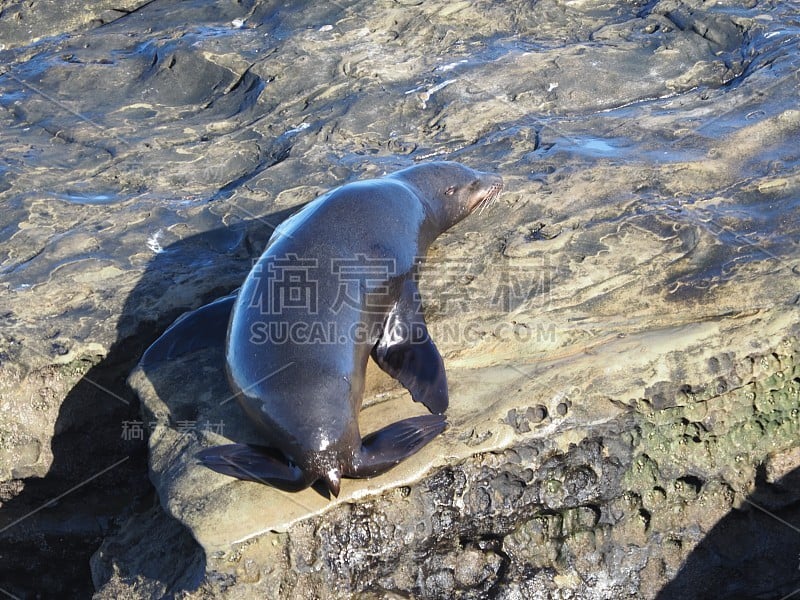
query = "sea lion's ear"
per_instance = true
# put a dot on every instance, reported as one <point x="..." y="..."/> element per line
<point x="204" y="327"/>
<point x="407" y="352"/>
<point x="382" y="450"/>
<point x="255" y="463"/>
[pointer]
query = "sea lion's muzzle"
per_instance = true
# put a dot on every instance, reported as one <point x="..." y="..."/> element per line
<point x="486" y="197"/>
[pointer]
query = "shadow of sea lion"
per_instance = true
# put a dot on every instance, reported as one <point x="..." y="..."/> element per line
<point x="98" y="478"/>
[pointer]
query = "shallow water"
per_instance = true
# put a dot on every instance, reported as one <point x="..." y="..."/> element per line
<point x="182" y="87"/>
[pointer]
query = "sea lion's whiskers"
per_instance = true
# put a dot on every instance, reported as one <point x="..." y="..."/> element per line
<point x="490" y="198"/>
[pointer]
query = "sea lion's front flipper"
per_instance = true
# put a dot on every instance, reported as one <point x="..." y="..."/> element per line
<point x="255" y="463"/>
<point x="382" y="450"/>
<point x="407" y="352"/>
<point x="203" y="327"/>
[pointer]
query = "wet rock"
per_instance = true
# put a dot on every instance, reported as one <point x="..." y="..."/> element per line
<point x="26" y="22"/>
<point x="620" y="329"/>
<point x="781" y="464"/>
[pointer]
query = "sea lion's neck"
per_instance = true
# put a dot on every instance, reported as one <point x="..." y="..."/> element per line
<point x="436" y="221"/>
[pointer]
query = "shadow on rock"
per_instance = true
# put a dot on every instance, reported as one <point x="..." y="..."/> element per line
<point x="98" y="480"/>
<point x="754" y="552"/>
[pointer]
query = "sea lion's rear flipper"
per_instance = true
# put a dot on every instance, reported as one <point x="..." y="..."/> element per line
<point x="204" y="327"/>
<point x="407" y="352"/>
<point x="254" y="463"/>
<point x="382" y="450"/>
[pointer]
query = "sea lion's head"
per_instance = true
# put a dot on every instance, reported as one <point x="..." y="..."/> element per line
<point x="451" y="190"/>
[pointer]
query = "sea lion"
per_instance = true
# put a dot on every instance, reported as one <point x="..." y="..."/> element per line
<point x="336" y="284"/>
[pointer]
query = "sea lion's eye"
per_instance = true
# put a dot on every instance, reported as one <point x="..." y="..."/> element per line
<point x="450" y="191"/>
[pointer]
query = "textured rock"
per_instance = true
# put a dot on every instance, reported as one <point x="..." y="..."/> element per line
<point x="618" y="329"/>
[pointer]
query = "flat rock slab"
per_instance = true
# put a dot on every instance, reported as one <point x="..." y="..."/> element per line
<point x="494" y="408"/>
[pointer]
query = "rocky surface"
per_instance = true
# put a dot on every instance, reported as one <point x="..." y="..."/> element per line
<point x="620" y="329"/>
